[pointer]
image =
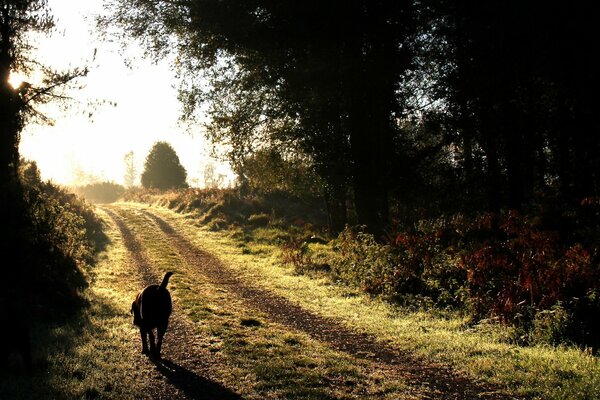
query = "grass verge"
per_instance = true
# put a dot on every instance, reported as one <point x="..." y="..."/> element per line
<point x="481" y="351"/>
<point x="257" y="358"/>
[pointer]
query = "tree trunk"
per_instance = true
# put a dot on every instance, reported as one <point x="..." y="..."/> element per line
<point x="371" y="52"/>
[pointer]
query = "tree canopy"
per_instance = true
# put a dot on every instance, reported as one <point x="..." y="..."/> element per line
<point x="19" y="21"/>
<point x="406" y="107"/>
<point x="162" y="169"/>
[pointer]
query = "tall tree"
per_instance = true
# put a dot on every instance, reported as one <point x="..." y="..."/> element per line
<point x="329" y="69"/>
<point x="162" y="169"/>
<point x="520" y="94"/>
<point x="130" y="169"/>
<point x="19" y="20"/>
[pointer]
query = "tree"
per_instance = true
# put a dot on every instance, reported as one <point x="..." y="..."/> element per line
<point x="130" y="170"/>
<point x="162" y="169"/>
<point x="533" y="124"/>
<point x="325" y="73"/>
<point x="19" y="21"/>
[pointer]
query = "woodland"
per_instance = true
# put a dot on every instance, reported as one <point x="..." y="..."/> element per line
<point x="452" y="146"/>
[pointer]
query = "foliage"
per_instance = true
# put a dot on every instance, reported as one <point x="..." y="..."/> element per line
<point x="227" y="208"/>
<point x="515" y="271"/>
<point x="261" y="219"/>
<point x="162" y="169"/>
<point x="100" y="192"/>
<point x="494" y="265"/>
<point x="297" y="254"/>
<point x="57" y="244"/>
<point x="528" y="133"/>
<point x="18" y="20"/>
<point x="411" y="265"/>
<point x="267" y="171"/>
<point x="309" y="78"/>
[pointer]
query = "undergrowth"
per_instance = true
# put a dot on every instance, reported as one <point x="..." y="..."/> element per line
<point x="507" y="267"/>
<point x="44" y="289"/>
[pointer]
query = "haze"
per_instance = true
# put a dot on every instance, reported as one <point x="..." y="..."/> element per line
<point x="128" y="103"/>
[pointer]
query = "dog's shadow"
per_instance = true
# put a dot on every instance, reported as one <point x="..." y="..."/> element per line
<point x="192" y="384"/>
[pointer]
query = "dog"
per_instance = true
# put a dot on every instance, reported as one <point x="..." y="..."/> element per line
<point x="151" y="309"/>
<point x="14" y="336"/>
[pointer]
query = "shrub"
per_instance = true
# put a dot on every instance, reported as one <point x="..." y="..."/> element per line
<point x="361" y="261"/>
<point x="58" y="240"/>
<point x="297" y="254"/>
<point x="500" y="266"/>
<point x="409" y="265"/>
<point x="101" y="192"/>
<point x="532" y="278"/>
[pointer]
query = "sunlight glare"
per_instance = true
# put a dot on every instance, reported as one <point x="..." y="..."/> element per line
<point x="15" y="79"/>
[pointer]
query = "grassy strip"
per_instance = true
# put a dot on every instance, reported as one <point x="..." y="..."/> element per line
<point x="482" y="351"/>
<point x="257" y="358"/>
<point x="89" y="355"/>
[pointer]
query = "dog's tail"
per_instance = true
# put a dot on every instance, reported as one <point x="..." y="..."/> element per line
<point x="165" y="281"/>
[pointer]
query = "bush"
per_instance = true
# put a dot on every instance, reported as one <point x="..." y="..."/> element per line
<point x="58" y="241"/>
<point x="100" y="192"/>
<point x="515" y="264"/>
<point x="497" y="266"/>
<point x="297" y="254"/>
<point x="409" y="265"/>
<point x="361" y="261"/>
<point x="533" y="278"/>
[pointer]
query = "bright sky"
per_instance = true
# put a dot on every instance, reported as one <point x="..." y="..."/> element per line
<point x="146" y="108"/>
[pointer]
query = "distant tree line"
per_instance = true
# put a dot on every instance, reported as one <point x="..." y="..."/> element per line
<point x="409" y="108"/>
<point x="100" y="192"/>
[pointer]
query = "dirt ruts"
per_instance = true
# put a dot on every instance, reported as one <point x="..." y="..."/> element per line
<point x="439" y="381"/>
<point x="186" y="373"/>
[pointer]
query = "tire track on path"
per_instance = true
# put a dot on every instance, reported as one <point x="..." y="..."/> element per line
<point x="186" y="371"/>
<point x="439" y="381"/>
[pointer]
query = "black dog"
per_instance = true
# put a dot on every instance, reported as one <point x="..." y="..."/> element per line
<point x="151" y="309"/>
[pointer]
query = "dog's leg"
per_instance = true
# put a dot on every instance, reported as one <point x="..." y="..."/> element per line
<point x="144" y="342"/>
<point x="152" y="342"/>
<point x="161" y="333"/>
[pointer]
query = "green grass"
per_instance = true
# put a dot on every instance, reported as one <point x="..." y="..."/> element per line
<point x="257" y="358"/>
<point x="482" y="352"/>
<point x="95" y="354"/>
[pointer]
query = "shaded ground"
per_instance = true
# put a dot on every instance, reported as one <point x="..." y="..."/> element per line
<point x="188" y="372"/>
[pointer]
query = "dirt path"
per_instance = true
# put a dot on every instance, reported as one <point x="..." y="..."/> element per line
<point x="186" y="373"/>
<point x="189" y="374"/>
